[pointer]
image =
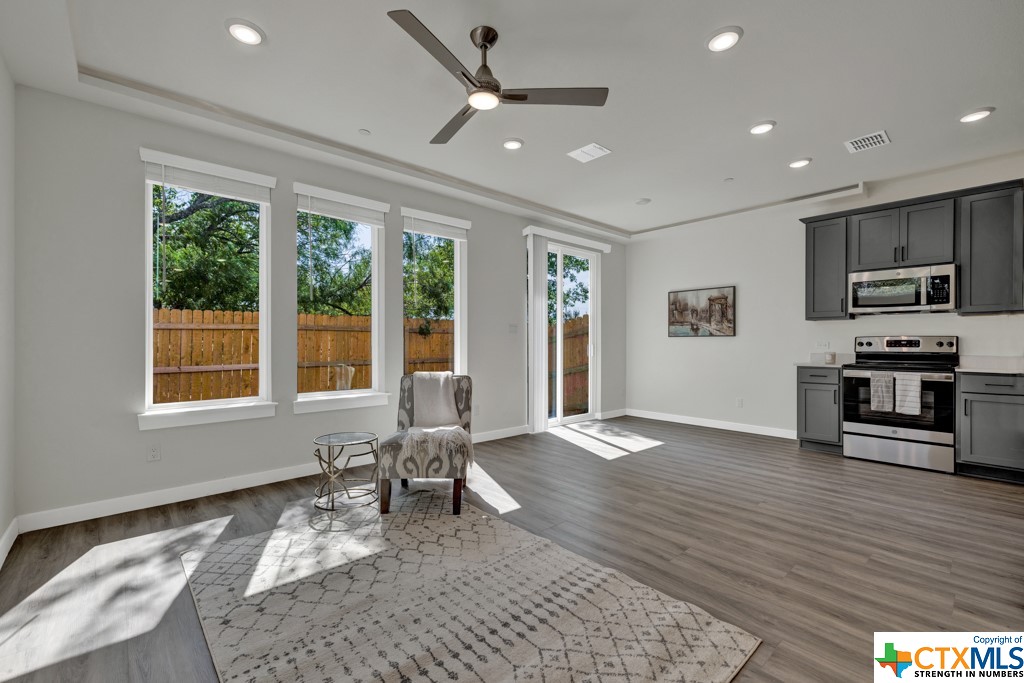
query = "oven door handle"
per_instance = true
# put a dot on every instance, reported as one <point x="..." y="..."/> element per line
<point x="925" y="376"/>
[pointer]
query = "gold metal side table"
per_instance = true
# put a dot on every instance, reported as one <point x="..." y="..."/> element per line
<point x="334" y="452"/>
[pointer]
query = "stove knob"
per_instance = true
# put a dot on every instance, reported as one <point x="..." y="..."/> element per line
<point x="860" y="343"/>
<point x="949" y="344"/>
<point x="869" y="344"/>
<point x="938" y="343"/>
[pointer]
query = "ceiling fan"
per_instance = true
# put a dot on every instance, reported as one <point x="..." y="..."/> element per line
<point x="483" y="89"/>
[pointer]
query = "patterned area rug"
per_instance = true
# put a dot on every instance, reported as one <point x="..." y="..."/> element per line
<point x="422" y="595"/>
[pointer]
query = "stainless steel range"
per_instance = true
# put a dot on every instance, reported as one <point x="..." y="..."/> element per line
<point x="899" y="401"/>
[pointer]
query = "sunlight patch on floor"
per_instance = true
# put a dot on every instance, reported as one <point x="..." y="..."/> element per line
<point x="615" y="436"/>
<point x="112" y="593"/>
<point x="491" y="491"/>
<point x="589" y="443"/>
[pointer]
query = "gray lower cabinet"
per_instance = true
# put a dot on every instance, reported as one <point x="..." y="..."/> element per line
<point x="819" y="407"/>
<point x="992" y="252"/>
<point x="825" y="296"/>
<point x="990" y="439"/>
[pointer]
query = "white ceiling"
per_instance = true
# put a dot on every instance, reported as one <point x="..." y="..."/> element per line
<point x="676" y="119"/>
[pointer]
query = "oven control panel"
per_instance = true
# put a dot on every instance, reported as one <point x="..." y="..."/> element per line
<point x="925" y="344"/>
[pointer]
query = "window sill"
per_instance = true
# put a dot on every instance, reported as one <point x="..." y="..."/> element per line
<point x="182" y="417"/>
<point x="322" y="403"/>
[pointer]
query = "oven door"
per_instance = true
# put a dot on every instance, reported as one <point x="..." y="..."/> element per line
<point x="936" y="422"/>
<point x="889" y="291"/>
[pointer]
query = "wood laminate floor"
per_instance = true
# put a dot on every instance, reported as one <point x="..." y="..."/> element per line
<point x="810" y="552"/>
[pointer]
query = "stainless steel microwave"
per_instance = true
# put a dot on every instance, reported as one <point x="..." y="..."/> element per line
<point x="904" y="290"/>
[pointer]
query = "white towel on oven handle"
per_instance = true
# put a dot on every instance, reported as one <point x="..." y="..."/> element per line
<point x="908" y="393"/>
<point x="881" y="392"/>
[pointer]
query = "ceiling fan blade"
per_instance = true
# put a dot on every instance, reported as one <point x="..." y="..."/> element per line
<point x="422" y="35"/>
<point x="587" y="97"/>
<point x="453" y="126"/>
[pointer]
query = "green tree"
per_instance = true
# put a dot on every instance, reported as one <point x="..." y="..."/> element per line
<point x="428" y="265"/>
<point x="335" y="266"/>
<point x="574" y="290"/>
<point x="205" y="251"/>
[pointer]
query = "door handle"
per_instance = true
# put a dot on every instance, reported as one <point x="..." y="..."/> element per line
<point x="895" y="254"/>
<point x="842" y="304"/>
<point x="903" y="253"/>
<point x="966" y="412"/>
<point x="835" y="397"/>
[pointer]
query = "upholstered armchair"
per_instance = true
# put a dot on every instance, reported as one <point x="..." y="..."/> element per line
<point x="435" y="455"/>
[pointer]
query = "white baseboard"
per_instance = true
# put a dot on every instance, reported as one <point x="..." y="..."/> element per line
<point x="500" y="434"/>
<point x="7" y="540"/>
<point x="139" y="501"/>
<point x="717" y="424"/>
<point x="609" y="414"/>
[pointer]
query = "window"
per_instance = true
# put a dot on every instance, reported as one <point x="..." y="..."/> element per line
<point x="434" y="267"/>
<point x="339" y="299"/>
<point x="207" y="289"/>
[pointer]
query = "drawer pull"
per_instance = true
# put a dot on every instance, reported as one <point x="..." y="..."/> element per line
<point x="987" y="384"/>
<point x="813" y="375"/>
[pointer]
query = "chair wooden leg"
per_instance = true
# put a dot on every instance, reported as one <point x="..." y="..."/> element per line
<point x="457" y="496"/>
<point x="405" y="483"/>
<point x="384" y="491"/>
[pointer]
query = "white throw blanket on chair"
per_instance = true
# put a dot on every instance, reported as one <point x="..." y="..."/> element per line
<point x="437" y="450"/>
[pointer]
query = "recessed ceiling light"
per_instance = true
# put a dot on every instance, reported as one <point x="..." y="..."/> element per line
<point x="364" y="131"/>
<point x="799" y="163"/>
<point x="762" y="127"/>
<point x="512" y="143"/>
<point x="245" y="31"/>
<point x="725" y="38"/>
<point x="976" y="115"/>
<point x="643" y="201"/>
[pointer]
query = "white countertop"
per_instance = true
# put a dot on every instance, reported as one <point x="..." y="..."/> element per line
<point x="992" y="365"/>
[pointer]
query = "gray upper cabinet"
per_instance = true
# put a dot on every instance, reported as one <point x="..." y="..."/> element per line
<point x="927" y="233"/>
<point x="915" y="235"/>
<point x="826" y="270"/>
<point x="874" y="240"/>
<point x="992" y="252"/>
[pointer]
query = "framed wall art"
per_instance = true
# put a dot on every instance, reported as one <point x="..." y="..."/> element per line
<point x="708" y="312"/>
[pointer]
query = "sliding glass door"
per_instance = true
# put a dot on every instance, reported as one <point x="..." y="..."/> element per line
<point x="569" y="330"/>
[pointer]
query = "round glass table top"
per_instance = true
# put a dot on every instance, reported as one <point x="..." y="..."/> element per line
<point x="344" y="438"/>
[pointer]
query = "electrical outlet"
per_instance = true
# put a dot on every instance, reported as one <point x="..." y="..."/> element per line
<point x="153" y="454"/>
<point x="739" y="403"/>
<point x="822" y="344"/>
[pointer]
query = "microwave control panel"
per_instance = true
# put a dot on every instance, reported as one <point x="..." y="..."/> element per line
<point x="938" y="289"/>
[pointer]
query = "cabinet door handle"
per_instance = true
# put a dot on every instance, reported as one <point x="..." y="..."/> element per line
<point x="903" y="253"/>
<point x="895" y="254"/>
<point x="835" y="397"/>
<point x="966" y="411"/>
<point x="842" y="305"/>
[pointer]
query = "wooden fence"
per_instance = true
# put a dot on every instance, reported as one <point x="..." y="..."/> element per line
<point x="204" y="355"/>
<point x="575" y="366"/>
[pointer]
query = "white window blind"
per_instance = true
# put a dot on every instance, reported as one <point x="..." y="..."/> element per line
<point x="345" y="207"/>
<point x="202" y="176"/>
<point x="435" y="224"/>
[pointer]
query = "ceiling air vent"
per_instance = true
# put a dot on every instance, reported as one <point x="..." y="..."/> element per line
<point x="589" y="153"/>
<point x="867" y="142"/>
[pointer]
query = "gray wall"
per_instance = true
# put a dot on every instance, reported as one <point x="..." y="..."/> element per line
<point x="762" y="253"/>
<point x="81" y="334"/>
<point x="7" y="507"/>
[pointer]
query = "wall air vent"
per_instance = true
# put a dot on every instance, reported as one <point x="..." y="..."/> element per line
<point x="867" y="142"/>
<point x="589" y="153"/>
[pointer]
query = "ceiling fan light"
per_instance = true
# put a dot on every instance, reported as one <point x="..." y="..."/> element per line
<point x="245" y="32"/>
<point x="483" y="99"/>
<point x="725" y="38"/>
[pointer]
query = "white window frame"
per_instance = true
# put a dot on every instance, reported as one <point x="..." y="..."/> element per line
<point x="321" y="401"/>
<point x="184" y="413"/>
<point x="456" y="229"/>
